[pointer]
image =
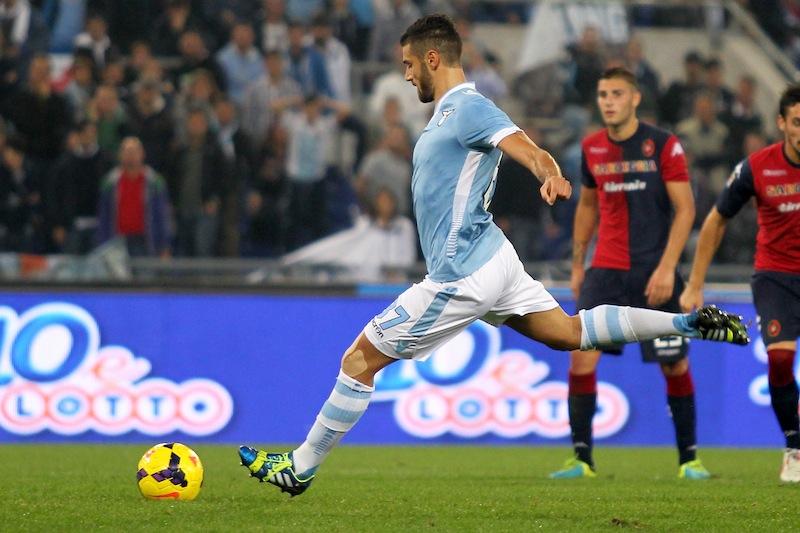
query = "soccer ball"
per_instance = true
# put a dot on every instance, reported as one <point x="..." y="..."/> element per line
<point x="170" y="471"/>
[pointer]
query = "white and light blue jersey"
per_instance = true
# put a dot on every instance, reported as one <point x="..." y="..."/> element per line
<point x="455" y="171"/>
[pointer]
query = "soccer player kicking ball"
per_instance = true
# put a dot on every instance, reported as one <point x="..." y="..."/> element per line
<point x="473" y="271"/>
<point x="772" y="176"/>
<point x="635" y="180"/>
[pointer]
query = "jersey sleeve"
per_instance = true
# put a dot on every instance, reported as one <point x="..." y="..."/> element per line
<point x="587" y="179"/>
<point x="673" y="161"/>
<point x="481" y="125"/>
<point x="738" y="190"/>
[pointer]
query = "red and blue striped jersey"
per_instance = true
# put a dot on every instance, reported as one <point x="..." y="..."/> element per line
<point x="774" y="181"/>
<point x="635" y="209"/>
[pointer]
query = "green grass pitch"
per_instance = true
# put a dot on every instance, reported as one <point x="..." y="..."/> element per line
<point x="408" y="489"/>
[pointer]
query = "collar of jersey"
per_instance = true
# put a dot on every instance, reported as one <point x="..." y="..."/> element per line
<point x="465" y="85"/>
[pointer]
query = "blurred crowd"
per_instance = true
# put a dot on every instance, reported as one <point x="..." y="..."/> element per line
<point x="233" y="127"/>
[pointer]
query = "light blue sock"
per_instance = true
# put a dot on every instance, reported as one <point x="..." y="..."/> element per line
<point x="612" y="325"/>
<point x="348" y="401"/>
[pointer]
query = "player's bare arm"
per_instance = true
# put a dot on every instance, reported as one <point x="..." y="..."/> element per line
<point x="710" y="236"/>
<point x="523" y="150"/>
<point x="586" y="216"/>
<point x="662" y="280"/>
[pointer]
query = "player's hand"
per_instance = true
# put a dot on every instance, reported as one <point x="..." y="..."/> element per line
<point x="555" y="188"/>
<point x="576" y="280"/>
<point x="660" y="286"/>
<point x="691" y="298"/>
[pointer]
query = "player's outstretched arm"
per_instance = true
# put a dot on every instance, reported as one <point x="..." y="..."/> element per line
<point x="523" y="150"/>
<point x="710" y="236"/>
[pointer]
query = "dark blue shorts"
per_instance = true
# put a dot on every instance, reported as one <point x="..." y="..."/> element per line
<point x="626" y="287"/>
<point x="777" y="299"/>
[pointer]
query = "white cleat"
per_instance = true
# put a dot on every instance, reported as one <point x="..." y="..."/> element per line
<point x="790" y="469"/>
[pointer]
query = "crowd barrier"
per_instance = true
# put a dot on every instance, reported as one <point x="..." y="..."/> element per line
<point x="235" y="368"/>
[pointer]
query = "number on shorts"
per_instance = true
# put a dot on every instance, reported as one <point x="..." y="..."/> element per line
<point x="402" y="316"/>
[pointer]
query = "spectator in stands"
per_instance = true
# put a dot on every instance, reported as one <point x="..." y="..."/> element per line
<point x="177" y="18"/>
<point x="199" y="92"/>
<point x="392" y="85"/>
<point x="73" y="191"/>
<point x="21" y="219"/>
<point x="194" y="56"/>
<point x="110" y="118"/>
<point x="743" y="118"/>
<point x="239" y="157"/>
<point x="677" y="102"/>
<point x="131" y="20"/>
<point x="306" y="65"/>
<point x="265" y="206"/>
<point x="704" y="136"/>
<point x="397" y="247"/>
<point x="113" y="75"/>
<point x="240" y="61"/>
<point x="392" y="18"/>
<point x="486" y="78"/>
<point x="134" y="204"/>
<point x="586" y="64"/>
<point x="140" y="55"/>
<point x="388" y="166"/>
<point x="347" y="29"/>
<point x="646" y="77"/>
<point x="40" y="116"/>
<point x="222" y="15"/>
<point x="95" y="41"/>
<point x="198" y="175"/>
<point x="80" y="89"/>
<point x="150" y="120"/>
<point x="310" y="135"/>
<point x="24" y="32"/>
<point x="273" y="27"/>
<point x="517" y="208"/>
<point x="267" y="98"/>
<point x="715" y="86"/>
<point x="336" y="56"/>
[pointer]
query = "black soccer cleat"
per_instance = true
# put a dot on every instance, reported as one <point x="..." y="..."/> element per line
<point x="714" y="324"/>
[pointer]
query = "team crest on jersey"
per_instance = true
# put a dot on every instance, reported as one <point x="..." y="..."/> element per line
<point x="445" y="113"/>
<point x="773" y="328"/>
<point x="648" y="148"/>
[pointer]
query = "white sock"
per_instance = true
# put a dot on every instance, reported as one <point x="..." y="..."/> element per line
<point x="612" y="325"/>
<point x="339" y="414"/>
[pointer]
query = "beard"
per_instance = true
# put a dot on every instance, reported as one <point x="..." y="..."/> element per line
<point x="425" y="86"/>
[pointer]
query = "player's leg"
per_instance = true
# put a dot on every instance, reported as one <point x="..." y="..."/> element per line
<point x="294" y="471"/>
<point x="581" y="404"/>
<point x="783" y="394"/>
<point x="612" y="325"/>
<point x="777" y="300"/>
<point x="680" y="398"/>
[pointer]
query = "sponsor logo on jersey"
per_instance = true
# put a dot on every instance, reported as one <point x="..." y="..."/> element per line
<point x="677" y="149"/>
<point x="598" y="150"/>
<point x="624" y="167"/>
<point x="769" y="172"/>
<point x="782" y="189"/>
<point x="445" y="113"/>
<point x="648" y="148"/>
<point x="631" y="186"/>
<point x="789" y="207"/>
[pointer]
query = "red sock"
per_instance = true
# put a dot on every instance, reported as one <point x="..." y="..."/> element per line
<point x="582" y="383"/>
<point x="682" y="385"/>
<point x="781" y="367"/>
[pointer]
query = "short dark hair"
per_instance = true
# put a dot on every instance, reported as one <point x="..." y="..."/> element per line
<point x="620" y="73"/>
<point x="790" y="97"/>
<point x="434" y="32"/>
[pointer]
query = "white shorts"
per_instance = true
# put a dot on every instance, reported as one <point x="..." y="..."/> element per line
<point x="429" y="313"/>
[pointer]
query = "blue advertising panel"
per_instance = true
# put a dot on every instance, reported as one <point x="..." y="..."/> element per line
<point x="257" y="368"/>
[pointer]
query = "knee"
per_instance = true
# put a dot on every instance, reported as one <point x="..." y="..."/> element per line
<point x="678" y="368"/>
<point x="354" y="361"/>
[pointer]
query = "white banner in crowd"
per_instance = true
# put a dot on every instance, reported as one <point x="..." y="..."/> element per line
<point x="554" y="25"/>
